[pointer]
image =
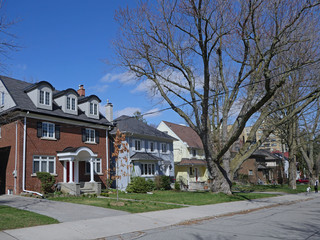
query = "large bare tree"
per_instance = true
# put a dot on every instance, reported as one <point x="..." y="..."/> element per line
<point x="217" y="64"/>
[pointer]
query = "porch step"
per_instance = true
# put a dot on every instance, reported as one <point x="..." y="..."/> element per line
<point x="87" y="190"/>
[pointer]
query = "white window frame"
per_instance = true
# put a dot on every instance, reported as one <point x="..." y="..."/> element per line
<point x="154" y="147"/>
<point x="166" y="148"/>
<point x="71" y="103"/>
<point x="44" y="159"/>
<point x="93" y="109"/>
<point x="44" y="98"/>
<point x="135" y="141"/>
<point x="250" y="172"/>
<point x="2" y="98"/>
<point x="90" y="135"/>
<point x="46" y="130"/>
<point x="150" y="168"/>
<point x="96" y="162"/>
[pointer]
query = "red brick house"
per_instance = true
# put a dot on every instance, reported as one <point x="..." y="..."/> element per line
<point x="45" y="130"/>
<point x="262" y="167"/>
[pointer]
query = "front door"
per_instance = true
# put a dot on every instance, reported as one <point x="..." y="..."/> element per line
<point x="4" y="157"/>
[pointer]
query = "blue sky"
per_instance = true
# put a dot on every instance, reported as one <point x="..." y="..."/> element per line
<point x="67" y="43"/>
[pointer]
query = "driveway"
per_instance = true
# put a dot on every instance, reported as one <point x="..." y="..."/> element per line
<point x="63" y="212"/>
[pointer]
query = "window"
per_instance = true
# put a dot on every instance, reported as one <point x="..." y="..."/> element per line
<point x="96" y="166"/>
<point x="93" y="108"/>
<point x="2" y="98"/>
<point x="48" y="130"/>
<point x="152" y="146"/>
<point x="137" y="145"/>
<point x="250" y="173"/>
<point x="194" y="152"/>
<point x="68" y="103"/>
<point x="44" y="97"/>
<point x="190" y="171"/>
<point x="71" y="103"/>
<point x="90" y="135"/>
<point x="44" y="164"/>
<point x="147" y="169"/>
<point x="164" y="148"/>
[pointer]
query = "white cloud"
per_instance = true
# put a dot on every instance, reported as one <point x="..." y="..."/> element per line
<point x="129" y="111"/>
<point x="99" y="88"/>
<point x="127" y="78"/>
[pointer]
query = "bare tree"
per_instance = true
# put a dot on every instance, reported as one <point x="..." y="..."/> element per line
<point x="307" y="140"/>
<point x="217" y="63"/>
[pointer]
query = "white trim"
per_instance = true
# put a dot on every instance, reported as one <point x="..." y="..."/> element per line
<point x="82" y="123"/>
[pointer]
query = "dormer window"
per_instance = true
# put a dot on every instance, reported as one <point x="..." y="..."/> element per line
<point x="93" y="109"/>
<point x="71" y="103"/>
<point x="44" y="97"/>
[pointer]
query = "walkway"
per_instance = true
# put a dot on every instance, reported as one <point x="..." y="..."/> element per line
<point x="101" y="228"/>
<point x="62" y="211"/>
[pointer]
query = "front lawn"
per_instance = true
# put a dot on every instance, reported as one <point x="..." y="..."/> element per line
<point x="159" y="200"/>
<point x="128" y="206"/>
<point x="270" y="188"/>
<point x="11" y="218"/>
<point x="193" y="198"/>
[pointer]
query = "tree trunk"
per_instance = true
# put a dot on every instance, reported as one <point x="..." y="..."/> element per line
<point x="220" y="180"/>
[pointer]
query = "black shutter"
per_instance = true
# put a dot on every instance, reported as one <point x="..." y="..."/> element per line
<point x="84" y="137"/>
<point x="57" y="132"/>
<point x="97" y="136"/>
<point x="39" y="129"/>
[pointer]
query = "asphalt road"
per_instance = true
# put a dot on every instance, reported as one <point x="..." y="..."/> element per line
<point x="296" y="221"/>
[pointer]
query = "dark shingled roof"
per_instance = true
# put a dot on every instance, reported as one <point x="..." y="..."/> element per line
<point x="192" y="162"/>
<point x="186" y="134"/>
<point x="17" y="88"/>
<point x="132" y="125"/>
<point x="145" y="156"/>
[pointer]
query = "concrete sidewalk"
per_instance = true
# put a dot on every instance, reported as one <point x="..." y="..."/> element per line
<point x="111" y="226"/>
<point x="62" y="211"/>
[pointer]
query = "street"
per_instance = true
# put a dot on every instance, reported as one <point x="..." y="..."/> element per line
<point x="296" y="221"/>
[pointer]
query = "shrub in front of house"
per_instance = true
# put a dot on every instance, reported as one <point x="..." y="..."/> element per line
<point x="139" y="185"/>
<point x="162" y="182"/>
<point x="47" y="182"/>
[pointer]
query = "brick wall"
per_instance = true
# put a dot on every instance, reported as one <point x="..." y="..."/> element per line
<point x="70" y="136"/>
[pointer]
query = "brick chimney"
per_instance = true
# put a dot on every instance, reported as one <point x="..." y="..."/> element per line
<point x="81" y="91"/>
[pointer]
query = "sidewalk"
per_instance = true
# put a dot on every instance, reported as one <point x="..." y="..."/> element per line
<point x="122" y="224"/>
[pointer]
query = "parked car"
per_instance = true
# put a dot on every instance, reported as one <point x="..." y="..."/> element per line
<point x="303" y="180"/>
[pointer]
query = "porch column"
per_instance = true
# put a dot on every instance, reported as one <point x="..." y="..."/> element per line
<point x="64" y="171"/>
<point x="91" y="170"/>
<point x="71" y="171"/>
<point x="76" y="171"/>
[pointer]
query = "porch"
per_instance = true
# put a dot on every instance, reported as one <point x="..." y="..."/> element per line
<point x="77" y="162"/>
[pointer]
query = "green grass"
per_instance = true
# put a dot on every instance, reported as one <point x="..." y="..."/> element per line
<point x="128" y="206"/>
<point x="270" y="188"/>
<point x="160" y="200"/>
<point x="11" y="218"/>
<point x="193" y="198"/>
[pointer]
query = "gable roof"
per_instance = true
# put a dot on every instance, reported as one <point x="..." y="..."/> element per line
<point x="127" y="124"/>
<point x="186" y="134"/>
<point x="17" y="90"/>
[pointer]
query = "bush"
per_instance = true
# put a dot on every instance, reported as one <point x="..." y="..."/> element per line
<point x="139" y="185"/>
<point x="177" y="186"/>
<point x="162" y="182"/>
<point x="47" y="182"/>
<point x="151" y="185"/>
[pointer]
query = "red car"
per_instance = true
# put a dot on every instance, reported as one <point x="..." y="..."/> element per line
<point x="303" y="180"/>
